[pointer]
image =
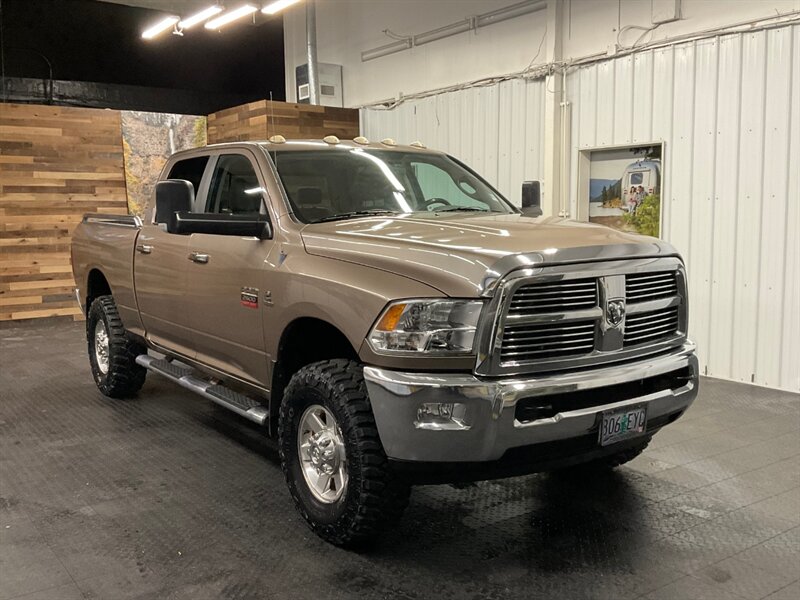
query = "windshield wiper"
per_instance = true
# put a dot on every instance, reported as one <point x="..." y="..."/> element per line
<point x="461" y="208"/>
<point x="356" y="213"/>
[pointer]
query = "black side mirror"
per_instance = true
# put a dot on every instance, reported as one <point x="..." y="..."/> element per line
<point x="531" y="199"/>
<point x="172" y="195"/>
<point x="184" y="223"/>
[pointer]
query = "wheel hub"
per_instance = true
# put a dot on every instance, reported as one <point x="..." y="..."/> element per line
<point x="321" y="450"/>
<point x="101" y="346"/>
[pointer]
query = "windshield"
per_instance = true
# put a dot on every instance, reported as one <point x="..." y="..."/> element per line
<point x="327" y="185"/>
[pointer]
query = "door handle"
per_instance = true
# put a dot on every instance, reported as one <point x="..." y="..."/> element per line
<point x="144" y="248"/>
<point x="198" y="257"/>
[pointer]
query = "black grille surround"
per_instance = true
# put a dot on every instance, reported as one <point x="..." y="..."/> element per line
<point x="588" y="316"/>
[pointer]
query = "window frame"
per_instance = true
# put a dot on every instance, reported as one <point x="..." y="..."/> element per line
<point x="208" y="177"/>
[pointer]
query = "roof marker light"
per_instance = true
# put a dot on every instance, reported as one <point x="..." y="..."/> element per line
<point x="277" y="139"/>
<point x="361" y="140"/>
<point x="200" y="17"/>
<point x="330" y="139"/>
<point x="230" y="16"/>
<point x="159" y="27"/>
<point x="279" y="5"/>
<point x="417" y="144"/>
<point x="388" y="142"/>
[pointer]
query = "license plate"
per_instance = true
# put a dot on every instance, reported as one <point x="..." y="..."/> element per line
<point x="622" y="424"/>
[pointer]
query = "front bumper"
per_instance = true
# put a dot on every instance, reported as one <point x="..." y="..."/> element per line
<point x="488" y="426"/>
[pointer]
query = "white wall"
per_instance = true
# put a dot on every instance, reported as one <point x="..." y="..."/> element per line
<point x="345" y="28"/>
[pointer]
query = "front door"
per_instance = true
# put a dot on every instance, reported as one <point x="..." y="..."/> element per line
<point x="160" y="269"/>
<point x="226" y="275"/>
<point x="159" y="266"/>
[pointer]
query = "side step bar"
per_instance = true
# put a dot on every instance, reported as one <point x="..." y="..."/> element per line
<point x="238" y="403"/>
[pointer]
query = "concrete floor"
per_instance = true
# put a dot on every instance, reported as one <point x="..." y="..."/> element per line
<point x="167" y="496"/>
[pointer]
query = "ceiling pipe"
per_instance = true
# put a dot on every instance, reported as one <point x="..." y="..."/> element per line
<point x="468" y="24"/>
<point x="311" y="52"/>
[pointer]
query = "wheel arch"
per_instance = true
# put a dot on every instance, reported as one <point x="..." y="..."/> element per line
<point x="305" y="340"/>
<point x="96" y="285"/>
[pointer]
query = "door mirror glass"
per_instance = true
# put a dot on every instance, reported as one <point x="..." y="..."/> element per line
<point x="531" y="199"/>
<point x="185" y="223"/>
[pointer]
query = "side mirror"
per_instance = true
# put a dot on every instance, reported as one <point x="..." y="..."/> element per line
<point x="185" y="223"/>
<point x="531" y="199"/>
<point x="172" y="195"/>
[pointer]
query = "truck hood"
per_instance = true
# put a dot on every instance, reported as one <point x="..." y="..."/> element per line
<point x="461" y="254"/>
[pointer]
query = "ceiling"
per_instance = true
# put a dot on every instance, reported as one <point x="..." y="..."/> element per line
<point x="179" y="7"/>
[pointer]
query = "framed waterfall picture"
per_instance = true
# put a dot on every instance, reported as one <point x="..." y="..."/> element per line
<point x="623" y="188"/>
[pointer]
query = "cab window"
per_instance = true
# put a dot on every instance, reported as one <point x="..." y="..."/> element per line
<point x="234" y="187"/>
<point x="190" y="169"/>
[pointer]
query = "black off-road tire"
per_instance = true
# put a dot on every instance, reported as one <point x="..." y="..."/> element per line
<point x="374" y="498"/>
<point x="124" y="377"/>
<point x="608" y="462"/>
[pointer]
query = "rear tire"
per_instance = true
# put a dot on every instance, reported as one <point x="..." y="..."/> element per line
<point x="112" y="354"/>
<point x="326" y="426"/>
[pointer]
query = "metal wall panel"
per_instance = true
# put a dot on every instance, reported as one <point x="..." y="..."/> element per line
<point x="727" y="109"/>
<point x="728" y="112"/>
<point x="497" y="130"/>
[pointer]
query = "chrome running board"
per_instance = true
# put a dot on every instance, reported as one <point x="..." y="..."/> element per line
<point x="239" y="403"/>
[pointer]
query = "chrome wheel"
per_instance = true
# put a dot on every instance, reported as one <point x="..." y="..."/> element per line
<point x="101" y="346"/>
<point x="320" y="446"/>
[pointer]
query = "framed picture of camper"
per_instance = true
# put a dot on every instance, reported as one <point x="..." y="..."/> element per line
<point x="621" y="187"/>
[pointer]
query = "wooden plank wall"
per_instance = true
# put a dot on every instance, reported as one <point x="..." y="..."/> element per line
<point x="56" y="163"/>
<point x="259" y="120"/>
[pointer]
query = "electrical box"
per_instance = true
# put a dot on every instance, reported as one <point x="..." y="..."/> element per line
<point x="330" y="84"/>
<point x="665" y="11"/>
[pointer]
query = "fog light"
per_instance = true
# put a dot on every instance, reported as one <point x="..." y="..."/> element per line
<point x="441" y="415"/>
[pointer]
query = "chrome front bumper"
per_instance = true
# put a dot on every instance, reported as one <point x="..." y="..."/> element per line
<point x="487" y="426"/>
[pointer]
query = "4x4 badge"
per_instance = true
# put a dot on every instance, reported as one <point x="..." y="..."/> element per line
<point x="615" y="312"/>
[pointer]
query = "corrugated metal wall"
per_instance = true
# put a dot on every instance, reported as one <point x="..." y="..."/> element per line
<point x="728" y="112"/>
<point x="497" y="130"/>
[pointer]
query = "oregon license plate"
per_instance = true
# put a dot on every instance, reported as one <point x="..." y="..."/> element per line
<point x="618" y="425"/>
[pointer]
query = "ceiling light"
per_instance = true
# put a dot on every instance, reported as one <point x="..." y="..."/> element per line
<point x="231" y="16"/>
<point x="200" y="17"/>
<point x="279" y="5"/>
<point x="159" y="27"/>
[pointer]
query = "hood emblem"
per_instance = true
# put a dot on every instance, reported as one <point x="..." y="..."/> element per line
<point x="615" y="312"/>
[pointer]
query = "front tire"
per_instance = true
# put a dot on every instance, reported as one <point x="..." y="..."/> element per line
<point x="332" y="458"/>
<point x="112" y="354"/>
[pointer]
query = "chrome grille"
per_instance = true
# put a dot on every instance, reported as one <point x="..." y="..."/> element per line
<point x="547" y="340"/>
<point x="554" y="296"/>
<point x="651" y="326"/>
<point x="559" y="317"/>
<point x="641" y="287"/>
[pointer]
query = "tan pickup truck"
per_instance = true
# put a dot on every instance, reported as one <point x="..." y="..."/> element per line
<point x="389" y="317"/>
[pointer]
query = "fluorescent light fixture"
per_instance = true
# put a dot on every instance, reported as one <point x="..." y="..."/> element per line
<point x="159" y="27"/>
<point x="200" y="17"/>
<point x="230" y="16"/>
<point x="279" y="5"/>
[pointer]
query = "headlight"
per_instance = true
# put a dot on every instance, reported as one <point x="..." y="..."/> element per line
<point x="427" y="326"/>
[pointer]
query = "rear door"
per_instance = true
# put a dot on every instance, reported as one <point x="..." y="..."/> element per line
<point x="226" y="276"/>
<point x="160" y="272"/>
